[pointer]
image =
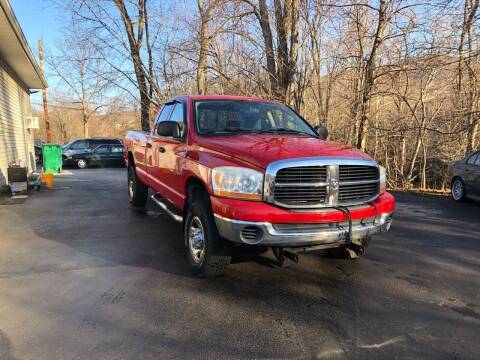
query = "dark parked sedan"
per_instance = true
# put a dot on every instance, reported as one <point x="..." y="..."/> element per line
<point x="103" y="155"/>
<point x="465" y="175"/>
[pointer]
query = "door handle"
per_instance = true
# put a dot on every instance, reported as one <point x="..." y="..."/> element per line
<point x="161" y="149"/>
<point x="149" y="145"/>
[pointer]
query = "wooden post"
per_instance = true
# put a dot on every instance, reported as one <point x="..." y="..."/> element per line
<point x="44" y="93"/>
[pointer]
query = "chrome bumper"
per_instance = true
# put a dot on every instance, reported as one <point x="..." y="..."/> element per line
<point x="264" y="233"/>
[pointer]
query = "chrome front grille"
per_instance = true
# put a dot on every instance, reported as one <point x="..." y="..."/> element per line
<point x="321" y="182"/>
<point x="358" y="172"/>
<point x="356" y="192"/>
<point x="302" y="174"/>
<point x="297" y="194"/>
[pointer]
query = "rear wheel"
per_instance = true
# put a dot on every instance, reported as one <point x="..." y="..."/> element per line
<point x="208" y="253"/>
<point x="137" y="191"/>
<point x="82" y="163"/>
<point x="458" y="190"/>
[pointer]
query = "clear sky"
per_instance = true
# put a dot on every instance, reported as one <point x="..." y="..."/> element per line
<point x="38" y="19"/>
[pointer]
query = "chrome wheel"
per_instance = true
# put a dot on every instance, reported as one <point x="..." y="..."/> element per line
<point x="130" y="188"/>
<point x="457" y="190"/>
<point x="196" y="240"/>
<point x="82" y="164"/>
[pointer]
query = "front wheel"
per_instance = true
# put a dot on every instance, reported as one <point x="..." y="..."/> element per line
<point x="458" y="190"/>
<point x="208" y="253"/>
<point x="82" y="163"/>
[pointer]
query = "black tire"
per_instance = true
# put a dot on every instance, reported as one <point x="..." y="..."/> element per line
<point x="458" y="190"/>
<point x="82" y="163"/>
<point x="217" y="252"/>
<point x="137" y="191"/>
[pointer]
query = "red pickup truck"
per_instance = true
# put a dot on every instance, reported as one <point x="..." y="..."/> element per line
<point x="240" y="170"/>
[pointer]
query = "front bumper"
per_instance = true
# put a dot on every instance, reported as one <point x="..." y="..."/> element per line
<point x="261" y="223"/>
<point x="329" y="235"/>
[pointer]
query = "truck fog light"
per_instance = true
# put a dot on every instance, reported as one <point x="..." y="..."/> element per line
<point x="251" y="234"/>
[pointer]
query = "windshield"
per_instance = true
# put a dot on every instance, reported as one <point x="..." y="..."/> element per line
<point x="64" y="146"/>
<point x="230" y="117"/>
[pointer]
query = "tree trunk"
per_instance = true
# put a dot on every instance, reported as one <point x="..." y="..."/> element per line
<point x="85" y="124"/>
<point x="264" y="20"/>
<point x="370" y="67"/>
<point x="135" y="44"/>
<point x="202" y="56"/>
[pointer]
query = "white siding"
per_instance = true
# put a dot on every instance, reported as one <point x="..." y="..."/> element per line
<point x="16" y="142"/>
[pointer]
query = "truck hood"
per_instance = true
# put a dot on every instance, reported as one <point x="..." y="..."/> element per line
<point x="261" y="150"/>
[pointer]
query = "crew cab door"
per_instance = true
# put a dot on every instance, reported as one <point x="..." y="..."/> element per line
<point x="472" y="174"/>
<point x="476" y="176"/>
<point x="165" y="155"/>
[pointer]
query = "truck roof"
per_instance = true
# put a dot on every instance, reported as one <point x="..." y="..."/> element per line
<point x="219" y="97"/>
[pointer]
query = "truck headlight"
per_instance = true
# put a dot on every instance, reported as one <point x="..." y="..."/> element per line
<point x="237" y="182"/>
<point x="383" y="179"/>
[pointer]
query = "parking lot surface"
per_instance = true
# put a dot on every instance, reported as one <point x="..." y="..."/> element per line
<point x="83" y="276"/>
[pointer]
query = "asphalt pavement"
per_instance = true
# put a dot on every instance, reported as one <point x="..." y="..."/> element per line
<point x="83" y="276"/>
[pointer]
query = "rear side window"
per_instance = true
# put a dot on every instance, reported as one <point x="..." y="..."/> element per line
<point x="477" y="162"/>
<point x="98" y="142"/>
<point x="471" y="159"/>
<point x="111" y="142"/>
<point x="179" y="117"/>
<point x="103" y="149"/>
<point x="94" y="144"/>
<point x="117" y="149"/>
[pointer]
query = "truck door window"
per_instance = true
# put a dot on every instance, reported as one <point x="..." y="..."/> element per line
<point x="164" y="114"/>
<point x="178" y="116"/>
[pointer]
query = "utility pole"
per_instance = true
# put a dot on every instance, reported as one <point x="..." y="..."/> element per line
<point x="44" y="93"/>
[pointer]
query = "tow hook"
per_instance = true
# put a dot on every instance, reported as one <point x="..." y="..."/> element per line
<point x="280" y="254"/>
<point x="354" y="250"/>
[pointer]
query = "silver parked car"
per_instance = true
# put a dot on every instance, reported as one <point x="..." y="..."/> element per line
<point x="465" y="175"/>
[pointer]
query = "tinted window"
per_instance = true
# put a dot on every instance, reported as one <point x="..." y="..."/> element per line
<point x="471" y="159"/>
<point x="178" y="116"/>
<point x="97" y="142"/>
<point x="102" y="149"/>
<point x="477" y="162"/>
<point x="79" y="145"/>
<point x="117" y="149"/>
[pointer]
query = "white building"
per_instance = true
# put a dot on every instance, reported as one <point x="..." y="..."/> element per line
<point x="19" y="74"/>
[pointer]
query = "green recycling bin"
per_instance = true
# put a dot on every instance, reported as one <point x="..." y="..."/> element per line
<point x="52" y="158"/>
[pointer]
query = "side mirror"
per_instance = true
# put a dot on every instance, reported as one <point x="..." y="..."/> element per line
<point x="322" y="131"/>
<point x="168" y="129"/>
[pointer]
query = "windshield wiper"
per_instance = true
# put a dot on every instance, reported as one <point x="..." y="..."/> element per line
<point x="285" y="130"/>
<point x="230" y="129"/>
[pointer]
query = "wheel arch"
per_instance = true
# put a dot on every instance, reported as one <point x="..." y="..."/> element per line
<point x="195" y="189"/>
<point x="131" y="159"/>
<point x="455" y="177"/>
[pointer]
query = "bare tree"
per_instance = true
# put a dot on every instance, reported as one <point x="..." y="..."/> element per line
<point x="81" y="73"/>
<point x="282" y="59"/>
<point x="468" y="90"/>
